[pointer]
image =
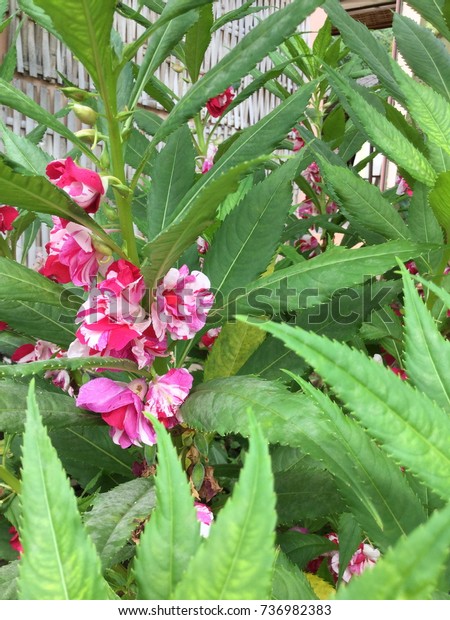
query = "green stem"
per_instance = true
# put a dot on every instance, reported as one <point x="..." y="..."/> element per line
<point x="199" y="128"/>
<point x="118" y="170"/>
<point x="10" y="479"/>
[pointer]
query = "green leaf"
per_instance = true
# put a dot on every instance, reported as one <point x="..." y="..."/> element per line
<point x="172" y="535"/>
<point x="289" y="583"/>
<point x="439" y="200"/>
<point x="350" y="537"/>
<point x="236" y="14"/>
<point x="37" y="194"/>
<point x="384" y="135"/>
<point x="235" y="344"/>
<point x="410" y="426"/>
<point x="433" y="13"/>
<point x="235" y="562"/>
<point x="368" y="481"/>
<point x="421" y="220"/>
<point x="38" y="15"/>
<point x="270" y="360"/>
<point x="59" y="561"/>
<point x="23" y="152"/>
<point x="8" y="581"/>
<point x="57" y="409"/>
<point x="238" y="62"/>
<point x="364" y="204"/>
<point x="311" y="282"/>
<point x="421" y="555"/>
<point x="39" y="320"/>
<point x="37" y="368"/>
<point x="361" y="41"/>
<point x="430" y="110"/>
<point x="302" y="548"/>
<point x="196" y="212"/>
<point x="85" y="27"/>
<point x="116" y="514"/>
<point x="247" y="240"/>
<point x="15" y="99"/>
<point x="426" y="55"/>
<point x="173" y="173"/>
<point x="427" y="353"/>
<point x="198" y="39"/>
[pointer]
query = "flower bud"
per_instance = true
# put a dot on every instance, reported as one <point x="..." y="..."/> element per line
<point x="86" y="114"/>
<point x="72" y="92"/>
<point x="101" y="247"/>
<point x="177" y="68"/>
<point x="87" y="135"/>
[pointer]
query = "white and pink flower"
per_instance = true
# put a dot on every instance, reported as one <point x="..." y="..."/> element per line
<point x="306" y="209"/>
<point x="166" y="394"/>
<point x="403" y="187"/>
<point x="208" y="162"/>
<point x="120" y="406"/>
<point x="298" y="143"/>
<point x="124" y="280"/>
<point x="205" y="517"/>
<point x="307" y="244"/>
<point x="40" y="351"/>
<point x="84" y="186"/>
<point x="183" y="301"/>
<point x="313" y="176"/>
<point x="208" y="339"/>
<point x="364" y="557"/>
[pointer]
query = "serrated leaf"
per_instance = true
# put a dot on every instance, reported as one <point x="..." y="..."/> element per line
<point x="421" y="220"/>
<point x="368" y="481"/>
<point x="8" y="581"/>
<point x="57" y="409"/>
<point x="421" y="555"/>
<point x="173" y="173"/>
<point x="311" y="282"/>
<point x="172" y="535"/>
<point x="427" y="353"/>
<point x="289" y="583"/>
<point x="59" y="560"/>
<point x="384" y="135"/>
<point x="433" y="12"/>
<point x="233" y="347"/>
<point x="439" y="200"/>
<point x="116" y="514"/>
<point x="198" y="39"/>
<point x="23" y="152"/>
<point x="409" y="426"/>
<point x="430" y="110"/>
<point x="235" y="562"/>
<point x="85" y="27"/>
<point x="301" y="548"/>
<point x="270" y="360"/>
<point x="247" y="240"/>
<point x="12" y="97"/>
<point x="425" y="54"/>
<point x="39" y="320"/>
<point x="364" y="204"/>
<point x="350" y="537"/>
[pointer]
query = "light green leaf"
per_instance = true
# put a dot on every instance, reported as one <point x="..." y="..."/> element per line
<point x="289" y="583"/>
<point x="430" y="110"/>
<point x="235" y="562"/>
<point x="247" y="240"/>
<point x="270" y="360"/>
<point x="235" y="344"/>
<point x="57" y="409"/>
<point x="421" y="556"/>
<point x="23" y="152"/>
<point x="8" y="581"/>
<point x="198" y="39"/>
<point x="426" y="55"/>
<point x="433" y="12"/>
<point x="311" y="282"/>
<point x="38" y="15"/>
<point x="421" y="220"/>
<point x="173" y="173"/>
<point x="409" y="426"/>
<point x="427" y="353"/>
<point x="172" y="535"/>
<point x="350" y="536"/>
<point x="371" y="484"/>
<point x="59" y="560"/>
<point x="116" y="514"/>
<point x="15" y="99"/>
<point x="384" y="135"/>
<point x="440" y="200"/>
<point x="364" y="204"/>
<point x="85" y="27"/>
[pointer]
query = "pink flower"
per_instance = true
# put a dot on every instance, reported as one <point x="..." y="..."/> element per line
<point x="3" y="326"/>
<point x="15" y="540"/>
<point x="205" y="517"/>
<point x="364" y="557"/>
<point x="202" y="245"/>
<point x="166" y="394"/>
<point x="7" y="217"/>
<point x="84" y="186"/>
<point x="308" y="243"/>
<point x="208" y="162"/>
<point x="331" y="208"/>
<point x="306" y="209"/>
<point x="299" y="143"/>
<point x="123" y="279"/>
<point x="182" y="303"/>
<point x="42" y="350"/>
<point x="208" y="339"/>
<point x="72" y="256"/>
<point x="403" y="187"/>
<point x="312" y="175"/>
<point x="120" y="406"/>
<point x="217" y="105"/>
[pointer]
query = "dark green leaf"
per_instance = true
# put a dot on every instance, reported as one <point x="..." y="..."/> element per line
<point x="198" y="39"/>
<point x="289" y="583"/>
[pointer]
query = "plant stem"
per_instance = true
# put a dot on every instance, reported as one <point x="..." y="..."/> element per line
<point x="10" y="479"/>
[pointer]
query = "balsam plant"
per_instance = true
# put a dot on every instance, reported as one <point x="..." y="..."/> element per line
<point x="241" y="346"/>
